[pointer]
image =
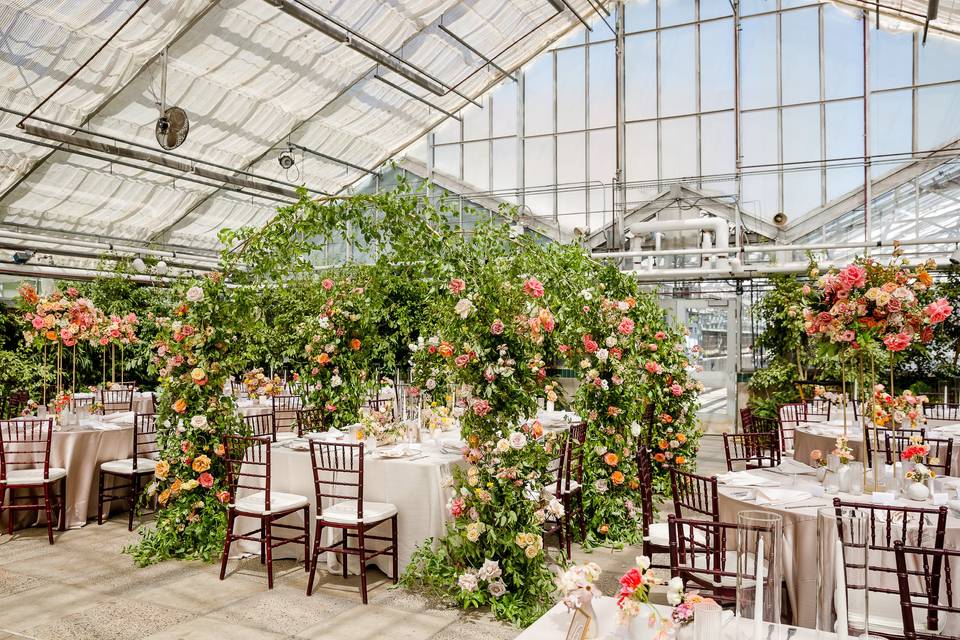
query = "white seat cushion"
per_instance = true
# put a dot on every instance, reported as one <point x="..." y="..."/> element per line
<point x="885" y="616"/>
<point x="254" y="503"/>
<point x="552" y="489"/>
<point x="125" y="467"/>
<point x="345" y="512"/>
<point x="34" y="476"/>
<point x="660" y="534"/>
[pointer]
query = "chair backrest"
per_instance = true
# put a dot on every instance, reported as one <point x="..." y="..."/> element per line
<point x="25" y="444"/>
<point x="888" y="524"/>
<point x="237" y="389"/>
<point x="145" y="443"/>
<point x="790" y="416"/>
<point x="576" y="442"/>
<point x="698" y="556"/>
<point x="934" y="583"/>
<point x="153" y="401"/>
<point x="763" y="424"/>
<point x="754" y="450"/>
<point x="556" y="470"/>
<point x="883" y="446"/>
<point x="939" y="459"/>
<point x="746" y="420"/>
<point x="285" y="409"/>
<point x="117" y="399"/>
<point x="261" y="425"/>
<point x="127" y="384"/>
<point x="76" y="403"/>
<point x="337" y="473"/>
<point x="694" y="493"/>
<point x="818" y="408"/>
<point x="942" y="411"/>
<point x="248" y="465"/>
<point x="380" y="404"/>
<point x="311" y="420"/>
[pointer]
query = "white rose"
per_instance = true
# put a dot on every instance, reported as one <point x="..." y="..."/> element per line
<point x="600" y="449"/>
<point x="611" y="341"/>
<point x="643" y="562"/>
<point x="555" y="508"/>
<point x="497" y="588"/>
<point x="518" y="440"/>
<point x="194" y="294"/>
<point x="490" y="570"/>
<point x="635" y="430"/>
<point x="675" y="591"/>
<point x="198" y="422"/>
<point x="431" y="384"/>
<point x="586" y="295"/>
<point x="602" y="355"/>
<point x="463" y="308"/>
<point x="468" y="581"/>
<point x="335" y="381"/>
<point x="503" y="445"/>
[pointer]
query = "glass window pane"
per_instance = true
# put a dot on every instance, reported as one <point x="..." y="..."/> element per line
<point x="571" y="161"/>
<point x="714" y="9"/>
<point x="449" y="131"/>
<point x="758" y="47"/>
<point x="419" y="150"/>
<point x="844" y="140"/>
<point x="641" y="151"/>
<point x="937" y="116"/>
<point x="678" y="146"/>
<point x="939" y="59"/>
<point x="603" y="85"/>
<point x="760" y="192"/>
<point x="800" y="55"/>
<point x="748" y="7"/>
<point x="538" y="161"/>
<point x="476" y="164"/>
<point x="891" y="59"/>
<point x="602" y="168"/>
<point x="538" y="96"/>
<point x="716" y="65"/>
<point x="801" y="143"/>
<point x="678" y="77"/>
<point x="505" y="109"/>
<point x="890" y="126"/>
<point x="476" y="121"/>
<point x="843" y="53"/>
<point x="505" y="166"/>
<point x="640" y="68"/>
<point x="446" y="160"/>
<point x="717" y="150"/>
<point x="570" y="89"/>
<point x="676" y="12"/>
<point x="640" y="15"/>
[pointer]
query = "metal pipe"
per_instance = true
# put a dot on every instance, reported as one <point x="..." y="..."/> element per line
<point x="93" y="55"/>
<point x="106" y="247"/>
<point x="411" y="94"/>
<point x="574" y="12"/>
<point x="475" y="51"/>
<point x="331" y="158"/>
<point x="156" y="158"/>
<point x="743" y="273"/>
<point x="776" y="248"/>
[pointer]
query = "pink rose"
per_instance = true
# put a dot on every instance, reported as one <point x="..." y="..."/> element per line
<point x="806" y="289"/>
<point x="497" y="327"/>
<point x="72" y="292"/>
<point x="938" y="311"/>
<point x="589" y="344"/>
<point x="327" y="284"/>
<point x="462" y="360"/>
<point x="626" y="326"/>
<point x="533" y="288"/>
<point x="896" y="341"/>
<point x="330" y="407"/>
<point x="676" y="389"/>
<point x="660" y="335"/>
<point x="652" y="367"/>
<point x="563" y="348"/>
<point x="457" y="286"/>
<point x="456" y="508"/>
<point x="37" y="322"/>
<point x="480" y="407"/>
<point x="206" y="480"/>
<point x="853" y="276"/>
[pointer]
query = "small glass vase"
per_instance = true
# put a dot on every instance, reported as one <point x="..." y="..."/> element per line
<point x="843" y="478"/>
<point x="831" y="484"/>
<point x="759" y="571"/>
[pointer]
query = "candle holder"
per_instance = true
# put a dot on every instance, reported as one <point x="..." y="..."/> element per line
<point x="759" y="571"/>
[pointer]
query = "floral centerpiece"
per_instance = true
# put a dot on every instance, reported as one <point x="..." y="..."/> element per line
<point x="258" y="384"/>
<point x="577" y="590"/>
<point x="380" y="426"/>
<point x="904" y="410"/>
<point x="842" y="450"/>
<point x="633" y="600"/>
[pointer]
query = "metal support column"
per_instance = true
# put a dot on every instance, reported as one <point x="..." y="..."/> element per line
<point x="620" y="181"/>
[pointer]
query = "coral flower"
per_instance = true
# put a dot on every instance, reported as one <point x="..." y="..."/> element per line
<point x="617" y="477"/>
<point x="611" y="459"/>
<point x="355" y="344"/>
<point x="180" y="405"/>
<point x="206" y="480"/>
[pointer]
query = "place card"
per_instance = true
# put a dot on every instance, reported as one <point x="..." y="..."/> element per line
<point x="939" y="498"/>
<point x="579" y="628"/>
<point x="883" y="497"/>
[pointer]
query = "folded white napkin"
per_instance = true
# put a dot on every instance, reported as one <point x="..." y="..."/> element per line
<point x="120" y="416"/>
<point x="947" y="429"/>
<point x="100" y="425"/>
<point x="781" y="496"/>
<point x="745" y="479"/>
<point x="790" y="466"/>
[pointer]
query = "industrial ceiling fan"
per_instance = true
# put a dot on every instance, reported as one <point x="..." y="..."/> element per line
<point x="173" y="125"/>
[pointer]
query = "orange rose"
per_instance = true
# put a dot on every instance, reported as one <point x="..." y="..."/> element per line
<point x="446" y="349"/>
<point x="51" y="335"/>
<point x="323" y="358"/>
<point x="631" y="302"/>
<point x="663" y="444"/>
<point x="355" y="344"/>
<point x="201" y="463"/>
<point x="611" y="459"/>
<point x="617" y="477"/>
<point x="604" y="528"/>
<point x="659" y="457"/>
<point x="634" y="485"/>
<point x="180" y="405"/>
<point x="175" y="487"/>
<point x="537" y="429"/>
<point x="164" y="496"/>
<point x="681" y="438"/>
<point x="679" y="459"/>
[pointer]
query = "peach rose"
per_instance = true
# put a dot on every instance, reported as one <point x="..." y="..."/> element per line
<point x="201" y="463"/>
<point x="163" y="468"/>
<point x="164" y="496"/>
<point x="180" y="405"/>
<point x="611" y="459"/>
<point x="617" y="477"/>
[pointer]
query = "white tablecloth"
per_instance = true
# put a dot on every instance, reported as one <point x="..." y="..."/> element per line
<point x="142" y="400"/>
<point x="418" y="488"/>
<point x="553" y="626"/>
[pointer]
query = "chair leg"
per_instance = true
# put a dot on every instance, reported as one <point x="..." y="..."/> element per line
<point x="345" y="558"/>
<point x="266" y="534"/>
<point x="580" y="516"/>
<point x="134" y="491"/>
<point x="396" y="554"/>
<point x="10" y="514"/>
<point x="100" y="498"/>
<point x="226" y="544"/>
<point x="363" y="563"/>
<point x="63" y="504"/>
<point x="314" y="558"/>
<point x="263" y="554"/>
<point x="47" y="510"/>
<point x="306" y="539"/>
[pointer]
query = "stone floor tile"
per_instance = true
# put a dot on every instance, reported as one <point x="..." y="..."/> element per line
<point x="208" y="628"/>
<point x="200" y="592"/>
<point x="42" y="605"/>
<point x="110" y="620"/>
<point x="374" y="622"/>
<point x="284" y="608"/>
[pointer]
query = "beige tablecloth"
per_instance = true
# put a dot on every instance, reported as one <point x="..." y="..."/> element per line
<point x="800" y="545"/>
<point x="419" y="489"/>
<point x="142" y="400"/>
<point x="822" y="436"/>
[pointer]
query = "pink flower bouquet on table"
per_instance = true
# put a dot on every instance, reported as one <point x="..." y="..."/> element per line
<point x="576" y="584"/>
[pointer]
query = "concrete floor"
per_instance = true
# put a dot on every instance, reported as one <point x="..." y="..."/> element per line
<point x="83" y="587"/>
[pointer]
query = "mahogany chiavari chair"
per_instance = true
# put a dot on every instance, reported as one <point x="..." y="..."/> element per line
<point x="746" y="420"/>
<point x="790" y="415"/>
<point x="700" y="556"/>
<point x="338" y="479"/>
<point x="694" y="493"/>
<point x="25" y="464"/>
<point x="754" y="450"/>
<point x="237" y="389"/>
<point x="132" y="473"/>
<point x="248" y="469"/>
<point x="941" y="449"/>
<point x="553" y="483"/>
<point x="152" y="395"/>
<point x="261" y="425"/>
<point x="311" y="420"/>
<point x="572" y="489"/>
<point x="119" y="399"/>
<point x="921" y="605"/>
<point x="889" y="524"/>
<point x="882" y="446"/>
<point x="818" y="409"/>
<point x="285" y="408"/>
<point x="942" y="411"/>
<point x="76" y="403"/>
<point x="380" y="405"/>
<point x="763" y="424"/>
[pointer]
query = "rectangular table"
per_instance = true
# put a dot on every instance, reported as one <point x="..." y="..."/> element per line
<point x="419" y="489"/>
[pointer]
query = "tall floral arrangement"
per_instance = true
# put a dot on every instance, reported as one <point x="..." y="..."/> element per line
<point x="492" y="336"/>
<point x="193" y="362"/>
